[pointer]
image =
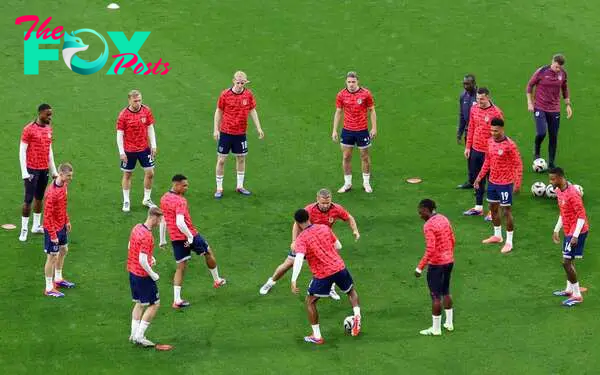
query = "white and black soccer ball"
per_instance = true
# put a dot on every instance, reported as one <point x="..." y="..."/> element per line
<point x="539" y="165"/>
<point x="538" y="189"/>
<point x="348" y="323"/>
<point x="579" y="189"/>
<point x="550" y="192"/>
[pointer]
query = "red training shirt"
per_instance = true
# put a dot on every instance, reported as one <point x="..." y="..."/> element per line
<point x="172" y="205"/>
<point x="317" y="242"/>
<point x="140" y="241"/>
<point x="329" y="217"/>
<point x="503" y="162"/>
<point x="135" y="128"/>
<point x="38" y="139"/>
<point x="355" y="106"/>
<point x="571" y="208"/>
<point x="55" y="209"/>
<point x="439" y="239"/>
<point x="480" y="128"/>
<point x="236" y="108"/>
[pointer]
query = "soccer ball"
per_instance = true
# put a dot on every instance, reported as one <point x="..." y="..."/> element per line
<point x="579" y="189"/>
<point x="538" y="189"/>
<point x="348" y="323"/>
<point x="539" y="165"/>
<point x="550" y="193"/>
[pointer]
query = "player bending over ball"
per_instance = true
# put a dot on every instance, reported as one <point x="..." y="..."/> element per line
<point x="324" y="211"/>
<point x="317" y="244"/>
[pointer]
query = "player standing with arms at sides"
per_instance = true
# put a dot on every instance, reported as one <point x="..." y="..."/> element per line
<point x="505" y="167"/>
<point x="317" y="244"/>
<point x="466" y="101"/>
<point x="439" y="259"/>
<point x="230" y="126"/>
<point x="322" y="212"/>
<point x="477" y="143"/>
<point x="184" y="237"/>
<point x="37" y="160"/>
<point x="548" y="81"/>
<point x="142" y="278"/>
<point x="356" y="104"/>
<point x="136" y="141"/>
<point x="57" y="225"/>
<point x="573" y="220"/>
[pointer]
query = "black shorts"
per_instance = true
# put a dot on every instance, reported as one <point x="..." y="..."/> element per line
<point x="37" y="186"/>
<point x="236" y="144"/>
<point x="438" y="279"/>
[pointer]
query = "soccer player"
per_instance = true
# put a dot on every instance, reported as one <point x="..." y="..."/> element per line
<point x="356" y="103"/>
<point x="466" y="101"/>
<point x="439" y="259"/>
<point x="548" y="81"/>
<point x="573" y="220"/>
<point x="322" y="212"/>
<point x="317" y="244"/>
<point x="505" y="167"/>
<point x="230" y="125"/>
<point x="477" y="143"/>
<point x="136" y="141"/>
<point x="142" y="278"/>
<point x="184" y="237"/>
<point x="56" y="228"/>
<point x="37" y="160"/>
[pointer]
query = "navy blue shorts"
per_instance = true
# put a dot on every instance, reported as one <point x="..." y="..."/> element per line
<point x="182" y="253"/>
<point x="236" y="144"/>
<point x="322" y="287"/>
<point x="438" y="279"/>
<point x="37" y="186"/>
<point x="52" y="248"/>
<point x="570" y="252"/>
<point x="360" y="138"/>
<point x="500" y="194"/>
<point x="144" y="157"/>
<point x="143" y="289"/>
<point x="546" y="122"/>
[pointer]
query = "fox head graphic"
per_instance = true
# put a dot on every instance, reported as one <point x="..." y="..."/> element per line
<point x="71" y="46"/>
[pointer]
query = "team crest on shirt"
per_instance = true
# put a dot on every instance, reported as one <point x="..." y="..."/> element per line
<point x="560" y="77"/>
<point x="486" y="119"/>
<point x="359" y="101"/>
<point x="500" y="151"/>
<point x="244" y="102"/>
<point x="331" y="220"/>
<point x="143" y="120"/>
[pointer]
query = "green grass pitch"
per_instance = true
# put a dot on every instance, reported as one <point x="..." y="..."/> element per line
<point x="412" y="55"/>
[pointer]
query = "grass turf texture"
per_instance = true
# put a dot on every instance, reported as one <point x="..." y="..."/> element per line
<point x="412" y="56"/>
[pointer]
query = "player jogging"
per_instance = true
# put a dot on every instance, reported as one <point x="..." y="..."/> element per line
<point x="230" y="125"/>
<point x="548" y="81"/>
<point x="36" y="159"/>
<point x="136" y="141"/>
<point x="142" y="278"/>
<point x="573" y="220"/>
<point x="477" y="143"/>
<point x="505" y="167"/>
<point x="317" y="244"/>
<point x="56" y="228"/>
<point x="356" y="104"/>
<point x="322" y="212"/>
<point x="439" y="259"/>
<point x="184" y="237"/>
